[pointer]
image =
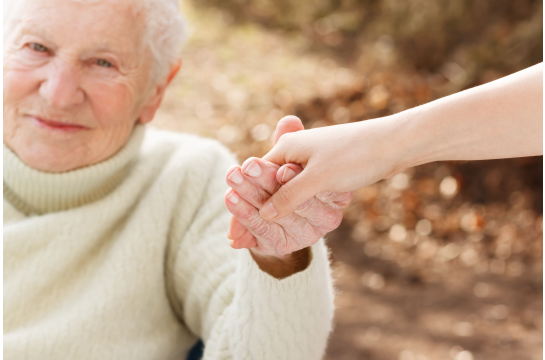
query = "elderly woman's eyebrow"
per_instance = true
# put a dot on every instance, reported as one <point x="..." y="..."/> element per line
<point x="33" y="30"/>
<point x="114" y="48"/>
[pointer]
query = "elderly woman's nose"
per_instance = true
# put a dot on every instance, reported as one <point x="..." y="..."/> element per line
<point x="61" y="87"/>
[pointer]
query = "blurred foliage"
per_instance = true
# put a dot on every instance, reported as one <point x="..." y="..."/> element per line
<point x="499" y="35"/>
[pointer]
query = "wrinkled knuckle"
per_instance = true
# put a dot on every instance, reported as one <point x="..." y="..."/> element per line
<point x="245" y="215"/>
<point x="338" y="220"/>
<point x="342" y="200"/>
<point x="261" y="230"/>
<point x="347" y="199"/>
<point x="346" y="196"/>
<point x="333" y="220"/>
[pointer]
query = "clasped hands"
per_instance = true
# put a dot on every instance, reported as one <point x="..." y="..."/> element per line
<point x="279" y="247"/>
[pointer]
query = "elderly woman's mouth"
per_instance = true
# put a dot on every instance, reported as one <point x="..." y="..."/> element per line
<point x="57" y="125"/>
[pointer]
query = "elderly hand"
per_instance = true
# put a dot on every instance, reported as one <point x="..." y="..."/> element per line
<point x="252" y="184"/>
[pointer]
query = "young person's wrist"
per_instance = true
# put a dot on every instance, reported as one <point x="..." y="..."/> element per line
<point x="415" y="142"/>
<point x="395" y="139"/>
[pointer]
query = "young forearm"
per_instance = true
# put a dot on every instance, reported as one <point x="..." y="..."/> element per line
<point x="500" y="119"/>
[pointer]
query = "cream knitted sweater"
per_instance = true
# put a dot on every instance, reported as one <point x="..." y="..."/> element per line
<point x="128" y="259"/>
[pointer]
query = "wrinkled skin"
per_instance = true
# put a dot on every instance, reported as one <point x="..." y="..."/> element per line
<point x="252" y="184"/>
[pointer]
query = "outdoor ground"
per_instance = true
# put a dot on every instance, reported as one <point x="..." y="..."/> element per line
<point x="443" y="261"/>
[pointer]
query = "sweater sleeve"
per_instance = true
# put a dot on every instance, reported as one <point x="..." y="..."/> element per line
<point x="222" y="296"/>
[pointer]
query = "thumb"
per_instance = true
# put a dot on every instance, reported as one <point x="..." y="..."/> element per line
<point x="286" y="125"/>
<point x="290" y="196"/>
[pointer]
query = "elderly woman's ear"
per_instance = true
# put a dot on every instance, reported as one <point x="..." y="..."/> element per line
<point x="157" y="92"/>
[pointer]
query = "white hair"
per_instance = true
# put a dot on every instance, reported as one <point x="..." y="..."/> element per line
<point x="165" y="29"/>
<point x="164" y="34"/>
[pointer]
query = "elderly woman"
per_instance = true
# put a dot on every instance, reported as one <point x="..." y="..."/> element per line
<point x="115" y="234"/>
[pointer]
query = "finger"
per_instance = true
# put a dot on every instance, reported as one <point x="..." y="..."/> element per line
<point x="286" y="125"/>
<point x="290" y="148"/>
<point x="288" y="172"/>
<point x="248" y="216"/>
<point x="261" y="173"/>
<point x="244" y="188"/>
<point x="290" y="196"/>
<point x="236" y="230"/>
<point x="246" y="241"/>
<point x="240" y="236"/>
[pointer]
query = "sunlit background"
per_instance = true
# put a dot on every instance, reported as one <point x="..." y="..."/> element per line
<point x="443" y="261"/>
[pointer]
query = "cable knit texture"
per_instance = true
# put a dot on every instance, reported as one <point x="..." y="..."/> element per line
<point x="128" y="259"/>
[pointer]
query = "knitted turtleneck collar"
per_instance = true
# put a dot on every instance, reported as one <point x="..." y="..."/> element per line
<point x="36" y="192"/>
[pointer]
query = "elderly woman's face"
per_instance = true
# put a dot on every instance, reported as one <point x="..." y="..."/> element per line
<point x="75" y="82"/>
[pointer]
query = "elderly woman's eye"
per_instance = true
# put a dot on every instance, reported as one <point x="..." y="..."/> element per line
<point x="38" y="47"/>
<point x="104" y="63"/>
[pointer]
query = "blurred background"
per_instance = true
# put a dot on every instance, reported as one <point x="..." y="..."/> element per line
<point x="444" y="261"/>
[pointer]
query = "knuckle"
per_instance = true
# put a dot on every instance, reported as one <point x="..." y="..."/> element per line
<point x="261" y="230"/>
<point x="337" y="220"/>
<point x="346" y="198"/>
<point x="341" y="200"/>
<point x="332" y="220"/>
<point x="245" y="214"/>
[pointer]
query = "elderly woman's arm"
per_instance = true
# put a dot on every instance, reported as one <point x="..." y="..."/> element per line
<point x="222" y="295"/>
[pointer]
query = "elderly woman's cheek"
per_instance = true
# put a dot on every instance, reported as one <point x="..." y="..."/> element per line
<point x="17" y="97"/>
<point x="112" y="103"/>
<point x="19" y="84"/>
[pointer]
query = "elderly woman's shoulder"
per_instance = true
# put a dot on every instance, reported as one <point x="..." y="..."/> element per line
<point x="185" y="146"/>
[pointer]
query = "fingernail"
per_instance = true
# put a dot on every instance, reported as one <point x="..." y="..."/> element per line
<point x="233" y="198"/>
<point x="288" y="175"/>
<point x="253" y="170"/>
<point x="268" y="211"/>
<point x="236" y="176"/>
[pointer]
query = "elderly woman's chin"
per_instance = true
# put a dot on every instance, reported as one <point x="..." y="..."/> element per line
<point x="56" y="149"/>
